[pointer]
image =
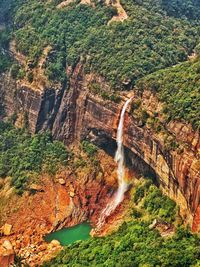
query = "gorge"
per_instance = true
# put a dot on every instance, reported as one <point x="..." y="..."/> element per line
<point x="76" y="114"/>
<point x="82" y="115"/>
<point x="99" y="124"/>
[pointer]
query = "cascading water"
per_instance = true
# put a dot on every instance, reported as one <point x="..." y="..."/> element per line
<point x="119" y="158"/>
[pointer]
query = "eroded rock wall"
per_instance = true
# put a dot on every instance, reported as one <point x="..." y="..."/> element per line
<point x="178" y="170"/>
<point x="75" y="114"/>
<point x="38" y="106"/>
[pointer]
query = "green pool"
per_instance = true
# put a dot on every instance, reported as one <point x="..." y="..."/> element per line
<point x="69" y="235"/>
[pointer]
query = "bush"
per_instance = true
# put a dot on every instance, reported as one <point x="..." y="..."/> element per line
<point x="136" y="213"/>
<point x="139" y="194"/>
<point x="158" y="204"/>
<point x="17" y="72"/>
<point x="89" y="148"/>
<point x="30" y="76"/>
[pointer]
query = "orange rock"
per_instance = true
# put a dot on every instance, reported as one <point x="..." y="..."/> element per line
<point x="61" y="181"/>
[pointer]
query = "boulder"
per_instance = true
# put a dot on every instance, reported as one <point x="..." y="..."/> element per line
<point x="71" y="193"/>
<point x="55" y="243"/>
<point x="61" y="181"/>
<point x="7" y="245"/>
<point x="7" y="229"/>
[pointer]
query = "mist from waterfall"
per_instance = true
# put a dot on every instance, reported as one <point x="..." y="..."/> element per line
<point x="119" y="158"/>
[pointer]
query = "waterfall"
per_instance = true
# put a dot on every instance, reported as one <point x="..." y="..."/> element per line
<point x="119" y="158"/>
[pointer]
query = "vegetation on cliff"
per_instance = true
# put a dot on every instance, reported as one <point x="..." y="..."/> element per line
<point x="157" y="34"/>
<point x="23" y="156"/>
<point x="179" y="89"/>
<point x="5" y="61"/>
<point x="120" y="52"/>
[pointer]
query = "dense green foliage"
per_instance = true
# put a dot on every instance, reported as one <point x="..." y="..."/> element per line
<point x="182" y="8"/>
<point x="43" y="24"/>
<point x="160" y="205"/>
<point x="16" y="71"/>
<point x="121" y="52"/>
<point x="155" y="202"/>
<point x="23" y="157"/>
<point x="89" y="148"/>
<point x="185" y="9"/>
<point x="135" y="244"/>
<point x="5" y="8"/>
<point x="179" y="89"/>
<point x="4" y="63"/>
<point x="5" y="60"/>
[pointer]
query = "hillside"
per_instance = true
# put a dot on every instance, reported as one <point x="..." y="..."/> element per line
<point x="80" y="80"/>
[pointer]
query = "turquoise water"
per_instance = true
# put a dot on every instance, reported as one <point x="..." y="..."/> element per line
<point x="69" y="235"/>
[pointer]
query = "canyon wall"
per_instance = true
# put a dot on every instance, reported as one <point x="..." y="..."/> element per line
<point x="73" y="113"/>
<point x="37" y="105"/>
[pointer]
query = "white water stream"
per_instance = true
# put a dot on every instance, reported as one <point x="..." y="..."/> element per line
<point x="119" y="158"/>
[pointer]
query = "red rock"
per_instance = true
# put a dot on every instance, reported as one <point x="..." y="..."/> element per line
<point x="7" y="261"/>
<point x="196" y="221"/>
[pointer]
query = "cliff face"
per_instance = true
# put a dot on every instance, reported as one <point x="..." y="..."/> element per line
<point x="35" y="104"/>
<point x="74" y="114"/>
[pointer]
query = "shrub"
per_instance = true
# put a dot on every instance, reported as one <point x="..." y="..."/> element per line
<point x="158" y="204"/>
<point x="89" y="148"/>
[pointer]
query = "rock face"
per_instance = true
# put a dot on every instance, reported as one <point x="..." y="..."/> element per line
<point x="83" y="115"/>
<point x="37" y="106"/>
<point x="75" y="114"/>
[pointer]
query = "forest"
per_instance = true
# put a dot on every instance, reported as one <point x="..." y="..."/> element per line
<point x="179" y="89"/>
<point x="123" y="53"/>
